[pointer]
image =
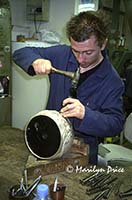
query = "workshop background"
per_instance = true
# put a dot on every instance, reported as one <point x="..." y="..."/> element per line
<point x="42" y="23"/>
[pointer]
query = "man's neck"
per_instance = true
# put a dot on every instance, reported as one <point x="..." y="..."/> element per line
<point x="82" y="70"/>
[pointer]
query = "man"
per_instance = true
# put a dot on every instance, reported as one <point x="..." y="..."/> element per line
<point x="96" y="111"/>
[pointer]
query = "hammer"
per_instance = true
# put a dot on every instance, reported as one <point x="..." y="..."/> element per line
<point x="73" y="75"/>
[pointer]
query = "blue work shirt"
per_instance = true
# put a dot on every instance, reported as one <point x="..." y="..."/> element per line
<point x="101" y="93"/>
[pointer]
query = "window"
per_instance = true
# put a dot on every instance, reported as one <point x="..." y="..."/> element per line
<point x="84" y="5"/>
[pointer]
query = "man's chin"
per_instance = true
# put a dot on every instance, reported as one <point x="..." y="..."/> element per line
<point x="83" y="66"/>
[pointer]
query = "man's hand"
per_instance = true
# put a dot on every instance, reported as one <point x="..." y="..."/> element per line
<point x="73" y="108"/>
<point x="42" y="66"/>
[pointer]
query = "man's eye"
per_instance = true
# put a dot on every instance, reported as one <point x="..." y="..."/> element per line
<point x="88" y="52"/>
<point x="76" y="51"/>
<point x="83" y="52"/>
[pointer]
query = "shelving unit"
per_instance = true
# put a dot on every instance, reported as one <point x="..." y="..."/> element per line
<point x="5" y="63"/>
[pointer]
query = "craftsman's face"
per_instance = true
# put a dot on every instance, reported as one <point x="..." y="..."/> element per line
<point x="88" y="52"/>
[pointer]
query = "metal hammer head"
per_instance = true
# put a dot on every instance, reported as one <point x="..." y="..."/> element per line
<point x="73" y="75"/>
<point x="76" y="77"/>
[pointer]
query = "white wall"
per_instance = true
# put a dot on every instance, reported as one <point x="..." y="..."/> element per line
<point x="18" y="18"/>
<point x="60" y="12"/>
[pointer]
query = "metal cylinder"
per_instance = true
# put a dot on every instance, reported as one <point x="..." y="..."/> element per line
<point x="48" y="135"/>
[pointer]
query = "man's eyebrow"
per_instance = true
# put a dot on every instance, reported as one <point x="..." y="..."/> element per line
<point x="89" y="50"/>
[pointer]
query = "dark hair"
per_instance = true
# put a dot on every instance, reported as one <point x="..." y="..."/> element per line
<point x="84" y="25"/>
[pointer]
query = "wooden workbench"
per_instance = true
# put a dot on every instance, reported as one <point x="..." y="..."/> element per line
<point x="76" y="191"/>
<point x="13" y="158"/>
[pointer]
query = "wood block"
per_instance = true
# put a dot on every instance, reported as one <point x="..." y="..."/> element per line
<point x="78" y="155"/>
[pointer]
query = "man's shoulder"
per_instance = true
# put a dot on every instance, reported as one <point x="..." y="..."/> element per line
<point x="59" y="52"/>
<point x="61" y="47"/>
<point x="108" y="70"/>
<point x="112" y="74"/>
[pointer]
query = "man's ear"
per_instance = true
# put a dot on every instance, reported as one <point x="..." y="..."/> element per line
<point x="104" y="44"/>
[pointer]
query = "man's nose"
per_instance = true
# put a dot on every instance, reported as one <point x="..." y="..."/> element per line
<point x="80" y="57"/>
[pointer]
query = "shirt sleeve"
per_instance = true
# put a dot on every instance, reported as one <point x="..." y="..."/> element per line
<point x="24" y="58"/>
